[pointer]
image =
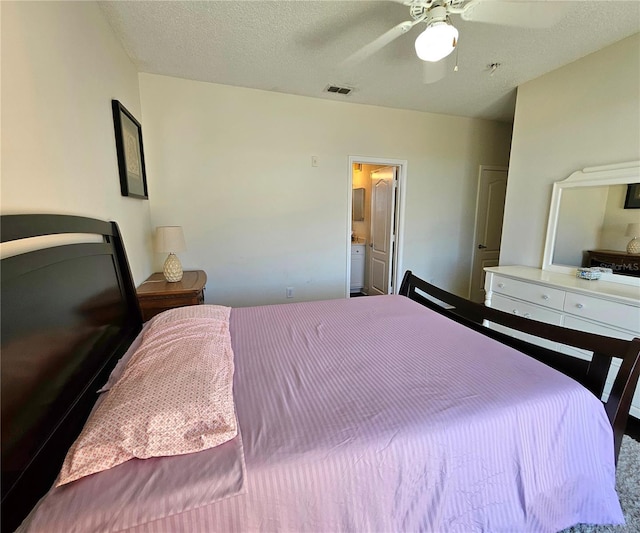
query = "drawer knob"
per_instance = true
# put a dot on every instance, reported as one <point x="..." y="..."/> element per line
<point x="527" y="315"/>
<point x="579" y="306"/>
<point x="501" y="285"/>
<point x="545" y="296"/>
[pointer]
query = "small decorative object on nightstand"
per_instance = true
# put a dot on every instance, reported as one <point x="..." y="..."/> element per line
<point x="170" y="239"/>
<point x="633" y="230"/>
<point x="156" y="294"/>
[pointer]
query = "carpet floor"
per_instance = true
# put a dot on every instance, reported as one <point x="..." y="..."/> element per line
<point x="628" y="487"/>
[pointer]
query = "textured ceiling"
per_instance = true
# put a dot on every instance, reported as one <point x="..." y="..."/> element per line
<point x="297" y="47"/>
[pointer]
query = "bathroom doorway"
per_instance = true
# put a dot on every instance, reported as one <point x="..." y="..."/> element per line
<point x="375" y="232"/>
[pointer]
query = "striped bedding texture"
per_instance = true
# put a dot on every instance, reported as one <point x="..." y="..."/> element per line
<point x="375" y="414"/>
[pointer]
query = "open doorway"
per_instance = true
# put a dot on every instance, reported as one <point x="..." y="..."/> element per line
<point x="375" y="225"/>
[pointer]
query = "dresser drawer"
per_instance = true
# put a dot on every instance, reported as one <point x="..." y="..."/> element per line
<point x="536" y="294"/>
<point x="612" y="313"/>
<point x="590" y="327"/>
<point x="525" y="310"/>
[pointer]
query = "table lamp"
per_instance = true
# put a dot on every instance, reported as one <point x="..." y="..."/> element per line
<point x="633" y="230"/>
<point x="170" y="239"/>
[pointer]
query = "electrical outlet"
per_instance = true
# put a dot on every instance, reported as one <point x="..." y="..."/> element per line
<point x="289" y="292"/>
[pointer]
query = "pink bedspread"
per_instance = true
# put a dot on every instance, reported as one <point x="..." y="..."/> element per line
<point x="376" y="414"/>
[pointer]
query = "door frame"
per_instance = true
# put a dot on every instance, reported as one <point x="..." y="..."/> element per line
<point x="396" y="257"/>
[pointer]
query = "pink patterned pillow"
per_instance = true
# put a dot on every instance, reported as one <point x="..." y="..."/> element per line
<point x="219" y="312"/>
<point x="175" y="396"/>
<point x="192" y="311"/>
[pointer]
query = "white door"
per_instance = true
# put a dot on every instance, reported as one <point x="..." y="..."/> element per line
<point x="383" y="188"/>
<point x="492" y="188"/>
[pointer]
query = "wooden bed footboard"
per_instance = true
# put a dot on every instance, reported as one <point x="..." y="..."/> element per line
<point x="592" y="374"/>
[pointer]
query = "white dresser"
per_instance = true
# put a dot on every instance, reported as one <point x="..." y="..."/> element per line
<point x="596" y="306"/>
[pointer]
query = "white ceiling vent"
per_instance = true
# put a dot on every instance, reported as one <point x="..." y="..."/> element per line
<point x="338" y="90"/>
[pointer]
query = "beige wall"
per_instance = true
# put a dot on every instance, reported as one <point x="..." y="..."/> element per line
<point x="584" y="114"/>
<point x="61" y="66"/>
<point x="233" y="167"/>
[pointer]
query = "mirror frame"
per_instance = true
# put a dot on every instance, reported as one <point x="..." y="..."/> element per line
<point x="616" y="174"/>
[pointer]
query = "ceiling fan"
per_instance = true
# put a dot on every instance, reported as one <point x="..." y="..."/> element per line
<point x="440" y="37"/>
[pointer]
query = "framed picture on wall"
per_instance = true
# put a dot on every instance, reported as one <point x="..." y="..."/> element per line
<point x="133" y="176"/>
<point x="632" y="201"/>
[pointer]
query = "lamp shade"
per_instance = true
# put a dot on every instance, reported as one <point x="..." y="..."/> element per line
<point x="633" y="230"/>
<point x="169" y="239"/>
<point x="437" y="41"/>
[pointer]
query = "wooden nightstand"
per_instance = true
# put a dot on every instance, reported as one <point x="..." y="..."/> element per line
<point x="156" y="294"/>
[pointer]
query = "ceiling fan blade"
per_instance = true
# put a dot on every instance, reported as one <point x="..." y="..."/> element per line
<point x="379" y="43"/>
<point x="520" y="13"/>
<point x="433" y="72"/>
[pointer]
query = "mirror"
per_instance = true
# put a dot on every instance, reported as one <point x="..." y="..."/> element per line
<point x="587" y="213"/>
<point x="358" y="205"/>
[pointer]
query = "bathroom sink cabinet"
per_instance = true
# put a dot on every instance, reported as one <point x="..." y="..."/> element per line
<point x="358" y="252"/>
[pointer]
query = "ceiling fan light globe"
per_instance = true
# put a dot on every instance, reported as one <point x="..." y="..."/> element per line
<point x="436" y="42"/>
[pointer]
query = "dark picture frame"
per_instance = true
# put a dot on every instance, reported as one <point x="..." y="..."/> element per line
<point x="129" y="148"/>
<point x="632" y="201"/>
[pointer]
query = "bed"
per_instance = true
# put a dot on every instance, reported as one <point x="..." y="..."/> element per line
<point x="386" y="413"/>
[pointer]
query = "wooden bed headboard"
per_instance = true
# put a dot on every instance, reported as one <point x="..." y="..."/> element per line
<point x="69" y="312"/>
